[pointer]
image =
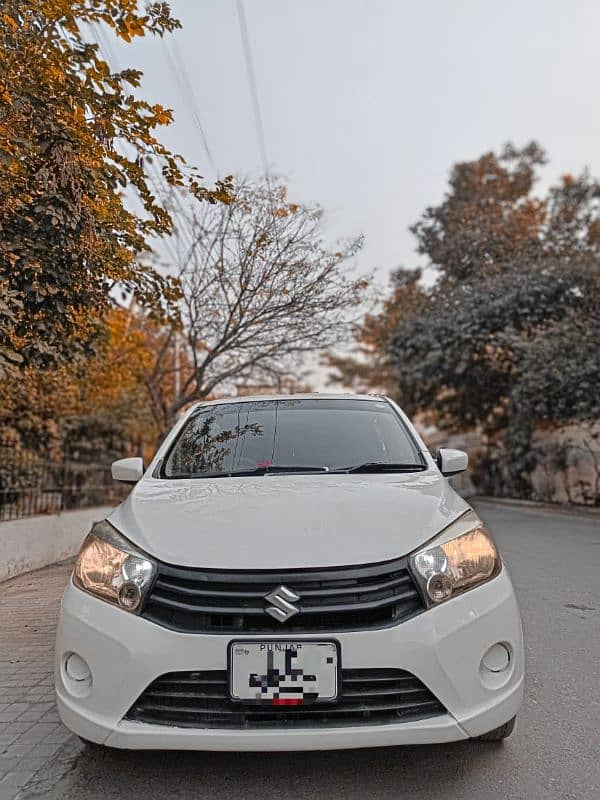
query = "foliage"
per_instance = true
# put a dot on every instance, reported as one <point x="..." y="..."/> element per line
<point x="370" y="368"/>
<point x="260" y="290"/>
<point x="488" y="216"/>
<point x="94" y="408"/>
<point x="74" y="143"/>
<point x="490" y="220"/>
<point x="474" y="338"/>
<point x="507" y="340"/>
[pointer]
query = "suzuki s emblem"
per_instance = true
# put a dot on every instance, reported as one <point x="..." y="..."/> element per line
<point x="282" y="599"/>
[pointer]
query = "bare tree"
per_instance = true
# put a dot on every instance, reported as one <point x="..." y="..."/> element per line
<point x="260" y="291"/>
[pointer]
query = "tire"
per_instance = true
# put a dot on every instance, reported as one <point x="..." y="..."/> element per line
<point x="92" y="746"/>
<point x="498" y="734"/>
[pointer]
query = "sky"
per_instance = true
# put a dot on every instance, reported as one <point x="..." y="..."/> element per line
<point x="367" y="104"/>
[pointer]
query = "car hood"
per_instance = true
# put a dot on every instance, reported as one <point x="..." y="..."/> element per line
<point x="286" y="521"/>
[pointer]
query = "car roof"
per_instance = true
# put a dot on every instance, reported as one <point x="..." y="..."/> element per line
<point x="297" y="396"/>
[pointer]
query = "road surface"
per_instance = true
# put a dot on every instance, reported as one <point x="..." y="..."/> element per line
<point x="554" y="558"/>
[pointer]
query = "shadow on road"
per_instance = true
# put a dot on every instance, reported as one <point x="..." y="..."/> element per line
<point x="418" y="772"/>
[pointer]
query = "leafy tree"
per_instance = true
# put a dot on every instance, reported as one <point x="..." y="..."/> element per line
<point x="74" y="142"/>
<point x="93" y="409"/>
<point x="63" y="427"/>
<point x="369" y="367"/>
<point x="505" y="354"/>
<point x="490" y="221"/>
<point x="507" y="339"/>
<point x="488" y="217"/>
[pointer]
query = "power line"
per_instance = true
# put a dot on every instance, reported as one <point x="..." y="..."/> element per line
<point x="105" y="46"/>
<point x="178" y="68"/>
<point x="253" y="90"/>
<point x="170" y="198"/>
<point x="260" y="130"/>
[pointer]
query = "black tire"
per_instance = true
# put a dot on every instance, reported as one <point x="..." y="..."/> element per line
<point x="92" y="746"/>
<point x="498" y="734"/>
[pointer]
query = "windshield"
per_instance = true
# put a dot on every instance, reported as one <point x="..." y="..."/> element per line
<point x="290" y="435"/>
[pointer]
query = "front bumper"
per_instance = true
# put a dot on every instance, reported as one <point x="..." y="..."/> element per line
<point x="443" y="647"/>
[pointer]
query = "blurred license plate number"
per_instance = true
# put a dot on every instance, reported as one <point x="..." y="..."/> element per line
<point x="283" y="673"/>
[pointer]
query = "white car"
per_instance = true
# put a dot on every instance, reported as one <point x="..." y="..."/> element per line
<point x="290" y="573"/>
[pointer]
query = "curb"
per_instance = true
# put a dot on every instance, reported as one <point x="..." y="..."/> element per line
<point x="588" y="512"/>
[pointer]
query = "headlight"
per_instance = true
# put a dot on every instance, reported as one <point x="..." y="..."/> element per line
<point x="462" y="557"/>
<point x="110" y="568"/>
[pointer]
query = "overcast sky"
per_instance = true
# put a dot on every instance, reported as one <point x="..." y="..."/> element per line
<point x="367" y="104"/>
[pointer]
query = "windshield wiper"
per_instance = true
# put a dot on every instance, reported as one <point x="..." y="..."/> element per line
<point x="382" y="466"/>
<point x="261" y="470"/>
<point x="294" y="468"/>
<point x="219" y="473"/>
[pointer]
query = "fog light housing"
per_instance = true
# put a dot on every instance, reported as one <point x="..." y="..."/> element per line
<point x="77" y="668"/>
<point x="497" y="658"/>
<point x="76" y="675"/>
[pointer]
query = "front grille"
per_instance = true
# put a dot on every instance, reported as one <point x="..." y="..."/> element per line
<point x="335" y="599"/>
<point x="368" y="697"/>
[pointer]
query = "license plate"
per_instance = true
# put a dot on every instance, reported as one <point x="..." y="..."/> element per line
<point x="283" y="673"/>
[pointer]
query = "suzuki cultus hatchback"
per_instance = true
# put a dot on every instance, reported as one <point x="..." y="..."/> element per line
<point x="290" y="573"/>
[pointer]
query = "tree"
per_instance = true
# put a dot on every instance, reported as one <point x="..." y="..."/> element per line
<point x="506" y="340"/>
<point x="63" y="427"/>
<point x="98" y="407"/>
<point x="505" y="354"/>
<point x="370" y="368"/>
<point x="488" y="216"/>
<point x="490" y="220"/>
<point x="74" y="145"/>
<point x="260" y="290"/>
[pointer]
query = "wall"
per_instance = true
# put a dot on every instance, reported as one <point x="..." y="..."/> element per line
<point x="34" y="542"/>
<point x="568" y="463"/>
<point x="568" y="469"/>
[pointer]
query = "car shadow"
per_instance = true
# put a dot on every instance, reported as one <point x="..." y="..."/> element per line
<point x="416" y="772"/>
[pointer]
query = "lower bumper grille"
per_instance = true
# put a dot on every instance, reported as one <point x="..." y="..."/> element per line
<point x="368" y="697"/>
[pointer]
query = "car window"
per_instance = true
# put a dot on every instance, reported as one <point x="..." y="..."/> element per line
<point x="335" y="434"/>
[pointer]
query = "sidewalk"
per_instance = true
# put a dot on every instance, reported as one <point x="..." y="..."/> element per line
<point x="31" y="734"/>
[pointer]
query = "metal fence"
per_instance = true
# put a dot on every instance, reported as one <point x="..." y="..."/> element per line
<point x="30" y="484"/>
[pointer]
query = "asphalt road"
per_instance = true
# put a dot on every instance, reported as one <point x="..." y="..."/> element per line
<point x="554" y="559"/>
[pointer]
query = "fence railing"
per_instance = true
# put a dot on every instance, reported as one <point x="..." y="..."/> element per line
<point x="31" y="485"/>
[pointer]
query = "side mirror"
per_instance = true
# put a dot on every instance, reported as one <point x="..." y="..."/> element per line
<point x="127" y="470"/>
<point x="451" y="462"/>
